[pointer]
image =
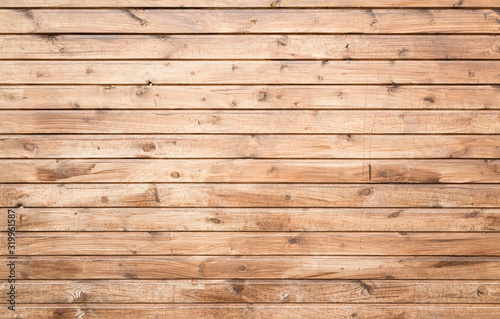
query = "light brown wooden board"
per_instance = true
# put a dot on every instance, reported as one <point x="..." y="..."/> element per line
<point x="253" y="47"/>
<point x="250" y="146"/>
<point x="249" y="21"/>
<point x="250" y="195"/>
<point x="284" y="292"/>
<point x="250" y="72"/>
<point x="256" y="219"/>
<point x="59" y="97"/>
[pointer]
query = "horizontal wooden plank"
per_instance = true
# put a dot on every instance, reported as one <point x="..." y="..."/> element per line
<point x="249" y="171"/>
<point x="254" y="291"/>
<point x="254" y="244"/>
<point x="251" y="47"/>
<point x="249" y="21"/>
<point x="250" y="3"/>
<point x="255" y="219"/>
<point x="254" y="146"/>
<point x="249" y="195"/>
<point x="249" y="97"/>
<point x="254" y="311"/>
<point x="250" y="72"/>
<point x="254" y="267"/>
<point x="251" y="122"/>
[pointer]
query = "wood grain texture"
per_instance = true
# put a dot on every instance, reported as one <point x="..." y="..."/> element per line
<point x="256" y="291"/>
<point x="249" y="195"/>
<point x="252" y="3"/>
<point x="249" y="171"/>
<point x="250" y="72"/>
<point x="255" y="244"/>
<point x="256" y="219"/>
<point x="250" y="146"/>
<point x="250" y="122"/>
<point x="250" y="97"/>
<point x="255" y="267"/>
<point x="249" y="21"/>
<point x="210" y="311"/>
<point x="253" y="47"/>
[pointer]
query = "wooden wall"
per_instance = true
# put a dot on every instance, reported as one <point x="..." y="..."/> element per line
<point x="251" y="158"/>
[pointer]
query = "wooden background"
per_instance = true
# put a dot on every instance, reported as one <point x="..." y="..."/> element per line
<point x="251" y="158"/>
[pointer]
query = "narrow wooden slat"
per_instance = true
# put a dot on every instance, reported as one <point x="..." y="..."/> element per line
<point x="254" y="311"/>
<point x="249" y="21"/>
<point x="251" y="122"/>
<point x="248" y="195"/>
<point x="261" y="267"/>
<point x="255" y="291"/>
<point x="249" y="47"/>
<point x="250" y="72"/>
<point x="250" y="171"/>
<point x="251" y="3"/>
<point x="255" y="244"/>
<point x="255" y="219"/>
<point x="255" y="146"/>
<point x="249" y="97"/>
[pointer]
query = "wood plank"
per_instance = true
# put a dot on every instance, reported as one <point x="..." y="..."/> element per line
<point x="249" y="171"/>
<point x="255" y="219"/>
<point x="254" y="146"/>
<point x="249" y="195"/>
<point x="249" y="97"/>
<point x="251" y="3"/>
<point x="250" y="72"/>
<point x="249" y="21"/>
<point x="254" y="291"/>
<point x="253" y="267"/>
<point x="254" y="244"/>
<point x="254" y="311"/>
<point x="250" y="122"/>
<point x="251" y="47"/>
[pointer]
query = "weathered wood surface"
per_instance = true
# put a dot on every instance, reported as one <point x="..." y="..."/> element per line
<point x="257" y="219"/>
<point x="250" y="195"/>
<point x="250" y="97"/>
<point x="250" y="72"/>
<point x="249" y="171"/>
<point x="250" y="146"/>
<point x="450" y="47"/>
<point x="256" y="244"/>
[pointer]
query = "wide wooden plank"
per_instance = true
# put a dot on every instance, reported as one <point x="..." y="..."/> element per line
<point x="249" y="47"/>
<point x="255" y="219"/>
<point x="249" y="21"/>
<point x="255" y="244"/>
<point x="251" y="122"/>
<point x="254" y="311"/>
<point x="252" y="267"/>
<point x="250" y="3"/>
<point x="255" y="291"/>
<point x="249" y="195"/>
<point x="250" y="146"/>
<point x="249" y="97"/>
<point x="250" y="72"/>
<point x="249" y="171"/>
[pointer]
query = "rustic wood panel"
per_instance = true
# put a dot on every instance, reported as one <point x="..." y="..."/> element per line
<point x="256" y="267"/>
<point x="255" y="122"/>
<point x="249" y="195"/>
<point x="249" y="21"/>
<point x="250" y="146"/>
<point x="250" y="97"/>
<point x="257" y="219"/>
<point x="256" y="244"/>
<point x="250" y="171"/>
<point x="249" y="47"/>
<point x="250" y="72"/>
<point x="256" y="291"/>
